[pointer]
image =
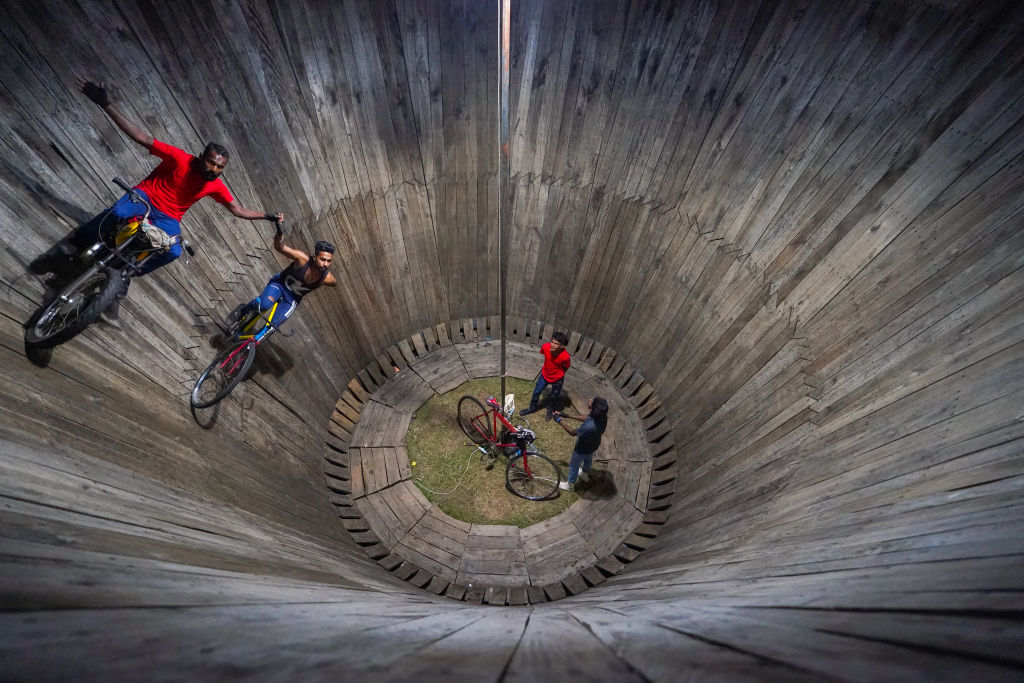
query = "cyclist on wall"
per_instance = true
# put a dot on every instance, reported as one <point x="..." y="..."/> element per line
<point x="299" y="278"/>
<point x="178" y="182"/>
<point x="556" y="364"/>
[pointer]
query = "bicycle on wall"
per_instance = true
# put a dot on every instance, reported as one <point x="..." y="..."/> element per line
<point x="104" y="269"/>
<point x="529" y="474"/>
<point x="231" y="364"/>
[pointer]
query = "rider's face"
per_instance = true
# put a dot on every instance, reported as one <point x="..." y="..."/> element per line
<point x="211" y="165"/>
<point x="556" y="346"/>
<point x="323" y="260"/>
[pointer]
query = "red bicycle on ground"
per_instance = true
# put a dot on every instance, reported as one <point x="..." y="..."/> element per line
<point x="529" y="474"/>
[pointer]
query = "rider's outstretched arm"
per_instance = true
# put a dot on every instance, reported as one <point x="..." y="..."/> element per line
<point x="98" y="94"/>
<point x="290" y="252"/>
<point x="249" y="214"/>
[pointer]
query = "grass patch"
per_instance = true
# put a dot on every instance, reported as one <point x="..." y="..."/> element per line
<point x="468" y="485"/>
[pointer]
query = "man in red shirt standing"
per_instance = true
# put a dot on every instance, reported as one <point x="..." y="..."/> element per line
<point x="171" y="188"/>
<point x="556" y="362"/>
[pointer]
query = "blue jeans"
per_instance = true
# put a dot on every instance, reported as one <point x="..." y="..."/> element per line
<point x="272" y="293"/>
<point x="89" y="233"/>
<point x="575" y="463"/>
<point x="556" y="390"/>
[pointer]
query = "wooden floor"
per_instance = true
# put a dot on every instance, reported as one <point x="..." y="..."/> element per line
<point x="367" y="470"/>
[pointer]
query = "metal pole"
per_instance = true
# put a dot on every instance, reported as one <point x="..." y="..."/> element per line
<point x="503" y="184"/>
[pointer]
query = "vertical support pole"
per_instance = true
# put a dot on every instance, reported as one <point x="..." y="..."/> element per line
<point x="503" y="184"/>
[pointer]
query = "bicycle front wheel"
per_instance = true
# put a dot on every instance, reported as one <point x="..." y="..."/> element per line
<point x="532" y="476"/>
<point x="473" y="420"/>
<point x="74" y="309"/>
<point x="223" y="374"/>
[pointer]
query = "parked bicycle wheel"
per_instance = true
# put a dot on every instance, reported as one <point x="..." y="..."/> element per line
<point x="223" y="374"/>
<point x="73" y="310"/>
<point x="533" y="477"/>
<point x="473" y="420"/>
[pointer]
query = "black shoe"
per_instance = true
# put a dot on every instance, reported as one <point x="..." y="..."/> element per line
<point x="548" y="415"/>
<point x="526" y="411"/>
<point x="111" y="316"/>
<point x="53" y="258"/>
<point x="235" y="316"/>
<point x="233" y="322"/>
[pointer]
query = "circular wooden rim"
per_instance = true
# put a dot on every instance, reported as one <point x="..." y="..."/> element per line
<point x="369" y="480"/>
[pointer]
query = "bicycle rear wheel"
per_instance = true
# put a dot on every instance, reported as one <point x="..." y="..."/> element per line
<point x="532" y="476"/>
<point x="223" y="374"/>
<point x="473" y="420"/>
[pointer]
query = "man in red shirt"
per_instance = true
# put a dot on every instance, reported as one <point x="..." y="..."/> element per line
<point x="171" y="188"/>
<point x="556" y="362"/>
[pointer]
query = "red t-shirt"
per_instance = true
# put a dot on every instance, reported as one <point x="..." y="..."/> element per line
<point x="554" y="368"/>
<point x="175" y="184"/>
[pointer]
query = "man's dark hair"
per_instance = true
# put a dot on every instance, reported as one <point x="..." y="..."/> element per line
<point x="599" y="409"/>
<point x="217" y="149"/>
<point x="323" y="245"/>
<point x="561" y="337"/>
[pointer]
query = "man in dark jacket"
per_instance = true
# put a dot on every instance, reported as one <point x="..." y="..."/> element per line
<point x="588" y="439"/>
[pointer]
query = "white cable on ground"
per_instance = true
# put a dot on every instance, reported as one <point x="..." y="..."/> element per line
<point x="419" y="482"/>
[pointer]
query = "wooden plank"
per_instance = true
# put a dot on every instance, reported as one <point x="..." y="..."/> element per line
<point x="381" y="425"/>
<point x="443" y="370"/>
<point x="405" y="392"/>
<point x="481" y="359"/>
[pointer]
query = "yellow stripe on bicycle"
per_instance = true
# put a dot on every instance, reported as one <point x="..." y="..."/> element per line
<point x="273" y="309"/>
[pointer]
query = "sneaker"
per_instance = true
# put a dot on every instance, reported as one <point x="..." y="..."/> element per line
<point x="548" y="415"/>
<point x="234" y="319"/>
<point x="527" y="411"/>
<point x="584" y="478"/>
<point x="566" y="486"/>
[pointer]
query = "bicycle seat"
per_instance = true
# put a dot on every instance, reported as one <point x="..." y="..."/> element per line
<point x="491" y="401"/>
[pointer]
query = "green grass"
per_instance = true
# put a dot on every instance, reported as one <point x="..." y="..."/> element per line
<point x="465" y="483"/>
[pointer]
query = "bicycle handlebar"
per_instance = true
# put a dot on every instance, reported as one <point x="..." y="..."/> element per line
<point x="133" y="193"/>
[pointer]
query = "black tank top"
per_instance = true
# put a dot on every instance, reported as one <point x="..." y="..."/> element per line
<point x="293" y="278"/>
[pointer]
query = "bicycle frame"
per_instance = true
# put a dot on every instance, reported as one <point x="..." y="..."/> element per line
<point x="263" y="332"/>
<point x="122" y="239"/>
<point x="256" y="337"/>
<point x="496" y="416"/>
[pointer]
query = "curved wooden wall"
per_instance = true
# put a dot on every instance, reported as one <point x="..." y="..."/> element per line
<point x="800" y="222"/>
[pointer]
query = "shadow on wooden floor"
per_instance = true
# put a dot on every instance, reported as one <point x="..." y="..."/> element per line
<point x="600" y="487"/>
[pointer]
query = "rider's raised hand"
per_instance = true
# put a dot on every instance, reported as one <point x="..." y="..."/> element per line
<point x="95" y="92"/>
<point x="278" y="220"/>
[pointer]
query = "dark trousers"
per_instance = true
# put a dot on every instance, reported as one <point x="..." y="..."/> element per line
<point x="89" y="233"/>
<point x="556" y="391"/>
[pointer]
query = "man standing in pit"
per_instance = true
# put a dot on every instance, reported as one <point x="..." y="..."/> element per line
<point x="588" y="439"/>
<point x="556" y="363"/>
